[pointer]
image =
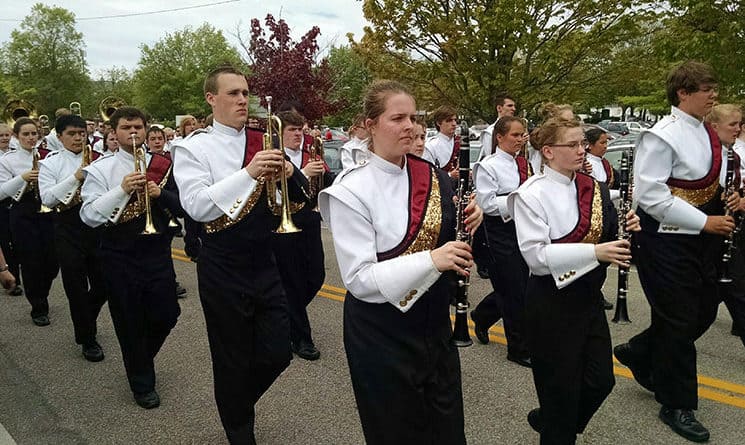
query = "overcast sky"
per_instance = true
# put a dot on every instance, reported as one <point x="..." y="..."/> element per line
<point x="116" y="41"/>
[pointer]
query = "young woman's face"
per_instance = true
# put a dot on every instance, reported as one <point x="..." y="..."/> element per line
<point x="28" y="135"/>
<point x="729" y="128"/>
<point x="392" y="132"/>
<point x="420" y="134"/>
<point x="189" y="127"/>
<point x="512" y="142"/>
<point x="567" y="154"/>
<point x="600" y="146"/>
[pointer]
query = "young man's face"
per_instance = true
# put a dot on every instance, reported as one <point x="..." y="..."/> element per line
<point x="230" y="103"/>
<point x="447" y="126"/>
<point x="90" y="127"/>
<point x="73" y="138"/>
<point x="292" y="136"/>
<point x="698" y="103"/>
<point x="124" y="130"/>
<point x="506" y="109"/>
<point x="156" y="141"/>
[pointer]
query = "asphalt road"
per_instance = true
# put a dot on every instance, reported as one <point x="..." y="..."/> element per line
<point x="50" y="395"/>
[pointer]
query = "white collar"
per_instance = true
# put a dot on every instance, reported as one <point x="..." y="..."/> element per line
<point x="503" y="154"/>
<point x="444" y="137"/>
<point x="386" y="166"/>
<point x="556" y="176"/>
<point x="591" y="156"/>
<point x="224" y="129"/>
<point x="692" y="121"/>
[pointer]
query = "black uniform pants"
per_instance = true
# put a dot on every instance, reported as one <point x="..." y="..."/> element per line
<point x="300" y="261"/>
<point x="570" y="349"/>
<point x="80" y="263"/>
<point x="733" y="293"/>
<point x="6" y="243"/>
<point x="679" y="276"/>
<point x="248" y="330"/>
<point x="143" y="305"/>
<point x="405" y="373"/>
<point x="33" y="238"/>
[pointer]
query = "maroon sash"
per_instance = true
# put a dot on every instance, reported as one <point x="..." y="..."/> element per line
<point x="700" y="191"/>
<point x="254" y="144"/>
<point x="453" y="162"/>
<point x="608" y="171"/>
<point x="43" y="152"/>
<point x="420" y="190"/>
<point x="590" y="223"/>
<point x="523" y="168"/>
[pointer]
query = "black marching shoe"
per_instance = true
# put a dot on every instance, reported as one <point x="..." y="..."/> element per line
<point x="625" y="355"/>
<point x="534" y="419"/>
<point x="16" y="291"/>
<point x="607" y="305"/>
<point x="93" y="352"/>
<point x="147" y="400"/>
<point x="482" y="332"/>
<point x="180" y="291"/>
<point x="522" y="361"/>
<point x="683" y="422"/>
<point x="41" y="320"/>
<point x="305" y="350"/>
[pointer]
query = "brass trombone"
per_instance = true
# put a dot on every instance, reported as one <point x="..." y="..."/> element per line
<point x="75" y="108"/>
<point x="274" y="125"/>
<point x="143" y="196"/>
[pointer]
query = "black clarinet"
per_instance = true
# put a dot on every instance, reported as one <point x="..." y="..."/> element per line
<point x="625" y="184"/>
<point x="460" y="337"/>
<point x="729" y="240"/>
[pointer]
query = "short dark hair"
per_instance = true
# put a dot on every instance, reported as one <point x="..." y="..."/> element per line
<point x="20" y="122"/>
<point x="688" y="76"/>
<point x="291" y="118"/>
<point x="442" y="113"/>
<point x="593" y="134"/>
<point x="126" y="113"/>
<point x="69" y="120"/>
<point x="154" y="129"/>
<point x="210" y="83"/>
<point x="501" y="97"/>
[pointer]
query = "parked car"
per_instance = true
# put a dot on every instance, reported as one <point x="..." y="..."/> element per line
<point x="634" y="127"/>
<point x="618" y="127"/>
<point x="618" y="146"/>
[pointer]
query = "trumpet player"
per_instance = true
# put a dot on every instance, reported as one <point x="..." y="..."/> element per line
<point x="32" y="232"/>
<point x="300" y="255"/>
<point x="142" y="293"/>
<point x="5" y="240"/>
<point x="221" y="172"/>
<point x="60" y="179"/>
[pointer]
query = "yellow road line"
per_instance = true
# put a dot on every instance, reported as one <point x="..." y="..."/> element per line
<point x="722" y="391"/>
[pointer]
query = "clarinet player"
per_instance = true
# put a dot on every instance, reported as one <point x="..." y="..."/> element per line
<point x="405" y="372"/>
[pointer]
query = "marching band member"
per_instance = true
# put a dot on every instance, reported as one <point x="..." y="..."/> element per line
<point x="420" y="138"/>
<point x="355" y="149"/>
<point x="32" y="232"/>
<point x="142" y="292"/>
<point x="505" y="106"/>
<point x="441" y="149"/>
<point x="5" y="239"/>
<point x="725" y="120"/>
<point x="300" y="257"/>
<point x="405" y="372"/>
<point x="93" y="136"/>
<point x="565" y="222"/>
<point x="156" y="141"/>
<point x="496" y="176"/>
<point x="60" y="178"/>
<point x="677" y="170"/>
<point x="221" y="172"/>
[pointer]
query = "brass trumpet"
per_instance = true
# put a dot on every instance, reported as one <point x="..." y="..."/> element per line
<point x="143" y="196"/>
<point x="35" y="184"/>
<point x="274" y="125"/>
<point x="315" y="184"/>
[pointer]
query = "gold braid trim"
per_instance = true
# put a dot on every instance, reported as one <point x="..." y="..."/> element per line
<point x="696" y="197"/>
<point x="224" y="222"/>
<point x="429" y="233"/>
<point x="596" y="217"/>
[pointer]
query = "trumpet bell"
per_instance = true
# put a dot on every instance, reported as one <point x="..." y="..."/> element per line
<point x="287" y="226"/>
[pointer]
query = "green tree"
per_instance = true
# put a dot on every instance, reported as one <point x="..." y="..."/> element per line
<point x="170" y="74"/>
<point x="350" y="77"/>
<point x="465" y="52"/>
<point x="44" y="61"/>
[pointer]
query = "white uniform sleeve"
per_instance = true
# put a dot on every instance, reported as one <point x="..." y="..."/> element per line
<point x="485" y="138"/>
<point x="100" y="205"/>
<point x="565" y="262"/>
<point x="401" y="280"/>
<point x="203" y="200"/>
<point x="487" y="185"/>
<point x="11" y="186"/>
<point x="53" y="192"/>
<point x="652" y="169"/>
<point x="429" y="151"/>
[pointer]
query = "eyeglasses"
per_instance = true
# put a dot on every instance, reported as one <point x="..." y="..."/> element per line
<point x="577" y="144"/>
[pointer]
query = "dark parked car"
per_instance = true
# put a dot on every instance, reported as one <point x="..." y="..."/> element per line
<point x="618" y="127"/>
